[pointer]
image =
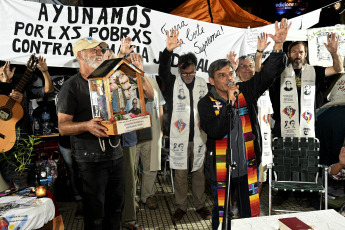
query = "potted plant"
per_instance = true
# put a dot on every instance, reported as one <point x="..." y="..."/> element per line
<point x="19" y="158"/>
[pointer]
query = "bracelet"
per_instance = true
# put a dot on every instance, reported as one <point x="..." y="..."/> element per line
<point x="277" y="51"/>
<point x="44" y="71"/>
<point x="259" y="51"/>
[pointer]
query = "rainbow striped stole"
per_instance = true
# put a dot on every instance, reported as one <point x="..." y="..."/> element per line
<point x="221" y="146"/>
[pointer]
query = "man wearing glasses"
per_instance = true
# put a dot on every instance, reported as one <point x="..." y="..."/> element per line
<point x="182" y="94"/>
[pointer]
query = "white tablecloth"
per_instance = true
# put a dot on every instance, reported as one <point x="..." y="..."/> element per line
<point x="318" y="220"/>
<point x="30" y="217"/>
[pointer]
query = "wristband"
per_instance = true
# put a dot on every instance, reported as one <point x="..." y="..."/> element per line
<point x="259" y="51"/>
<point x="277" y="51"/>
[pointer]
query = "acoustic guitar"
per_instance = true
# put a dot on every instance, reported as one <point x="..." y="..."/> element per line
<point x="11" y="111"/>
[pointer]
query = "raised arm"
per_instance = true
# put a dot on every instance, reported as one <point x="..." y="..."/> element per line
<point x="261" y="46"/>
<point x="232" y="59"/>
<point x="275" y="64"/>
<point x="126" y="47"/>
<point x="164" y="69"/>
<point x="48" y="83"/>
<point x="281" y="32"/>
<point x="6" y="74"/>
<point x="332" y="47"/>
<point x="137" y="60"/>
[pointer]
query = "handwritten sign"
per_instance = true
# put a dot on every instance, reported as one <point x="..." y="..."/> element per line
<point x="52" y="30"/>
<point x="318" y="54"/>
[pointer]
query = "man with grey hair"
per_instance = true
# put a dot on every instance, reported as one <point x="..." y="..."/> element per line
<point x="102" y="172"/>
<point x="216" y="111"/>
<point x="246" y="66"/>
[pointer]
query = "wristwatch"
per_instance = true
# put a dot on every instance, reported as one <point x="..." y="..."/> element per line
<point x="277" y="51"/>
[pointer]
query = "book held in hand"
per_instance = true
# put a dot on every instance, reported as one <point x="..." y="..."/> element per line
<point x="292" y="223"/>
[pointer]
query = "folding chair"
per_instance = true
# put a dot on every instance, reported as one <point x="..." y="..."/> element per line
<point x="296" y="168"/>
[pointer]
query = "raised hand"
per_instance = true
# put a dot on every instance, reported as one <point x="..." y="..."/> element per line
<point x="332" y="42"/>
<point x="137" y="60"/>
<point x="342" y="156"/>
<point x="281" y="31"/>
<point x="6" y="73"/>
<point x="172" y="39"/>
<point x="42" y="64"/>
<point x="125" y="47"/>
<point x="108" y="54"/>
<point x="232" y="58"/>
<point x="262" y="42"/>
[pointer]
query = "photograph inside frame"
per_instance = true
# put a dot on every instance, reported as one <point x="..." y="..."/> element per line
<point x="115" y="93"/>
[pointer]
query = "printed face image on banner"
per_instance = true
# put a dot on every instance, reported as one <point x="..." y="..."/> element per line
<point x="288" y="86"/>
<point x="306" y="131"/>
<point x="289" y="124"/>
<point x="178" y="147"/>
<point x="181" y="94"/>
<point x="307" y="90"/>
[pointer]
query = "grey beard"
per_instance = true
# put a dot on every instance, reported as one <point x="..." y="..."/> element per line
<point x="93" y="63"/>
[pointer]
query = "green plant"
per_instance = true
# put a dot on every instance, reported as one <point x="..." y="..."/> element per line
<point x="21" y="155"/>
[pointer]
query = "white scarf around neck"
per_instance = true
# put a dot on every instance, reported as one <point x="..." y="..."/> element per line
<point x="291" y="124"/>
<point x="180" y="125"/>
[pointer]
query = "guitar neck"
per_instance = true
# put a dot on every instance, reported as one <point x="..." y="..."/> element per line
<point x="10" y="103"/>
<point x="23" y="80"/>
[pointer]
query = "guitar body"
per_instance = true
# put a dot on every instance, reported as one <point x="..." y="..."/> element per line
<point x="8" y="121"/>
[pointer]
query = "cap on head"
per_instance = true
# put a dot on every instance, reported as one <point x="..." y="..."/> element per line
<point x="87" y="43"/>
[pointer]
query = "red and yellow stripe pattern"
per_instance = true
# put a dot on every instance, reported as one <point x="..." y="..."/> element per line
<point x="221" y="146"/>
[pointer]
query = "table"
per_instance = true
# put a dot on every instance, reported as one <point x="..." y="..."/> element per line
<point x="29" y="217"/>
<point x="318" y="220"/>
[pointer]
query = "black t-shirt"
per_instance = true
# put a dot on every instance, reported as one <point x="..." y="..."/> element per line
<point x="74" y="99"/>
<point x="275" y="95"/>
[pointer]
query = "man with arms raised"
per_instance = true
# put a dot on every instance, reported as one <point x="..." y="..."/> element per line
<point x="184" y="126"/>
<point x="214" y="120"/>
<point x="299" y="75"/>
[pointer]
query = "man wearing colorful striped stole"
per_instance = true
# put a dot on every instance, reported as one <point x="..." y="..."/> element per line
<point x="245" y="137"/>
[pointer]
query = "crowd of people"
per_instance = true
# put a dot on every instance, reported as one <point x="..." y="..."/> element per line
<point x="244" y="100"/>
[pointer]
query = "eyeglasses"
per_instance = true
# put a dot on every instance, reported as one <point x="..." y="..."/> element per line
<point x="247" y="66"/>
<point x="188" y="74"/>
<point x="106" y="49"/>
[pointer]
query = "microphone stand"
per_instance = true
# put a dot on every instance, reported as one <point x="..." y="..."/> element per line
<point x="226" y="224"/>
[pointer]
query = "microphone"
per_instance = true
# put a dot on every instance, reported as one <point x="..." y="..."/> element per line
<point x="233" y="83"/>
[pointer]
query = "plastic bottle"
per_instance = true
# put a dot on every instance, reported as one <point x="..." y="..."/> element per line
<point x="46" y="128"/>
<point x="37" y="130"/>
<point x="43" y="175"/>
<point x="49" y="174"/>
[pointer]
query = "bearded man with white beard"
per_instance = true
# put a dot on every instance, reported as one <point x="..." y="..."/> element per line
<point x="102" y="171"/>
